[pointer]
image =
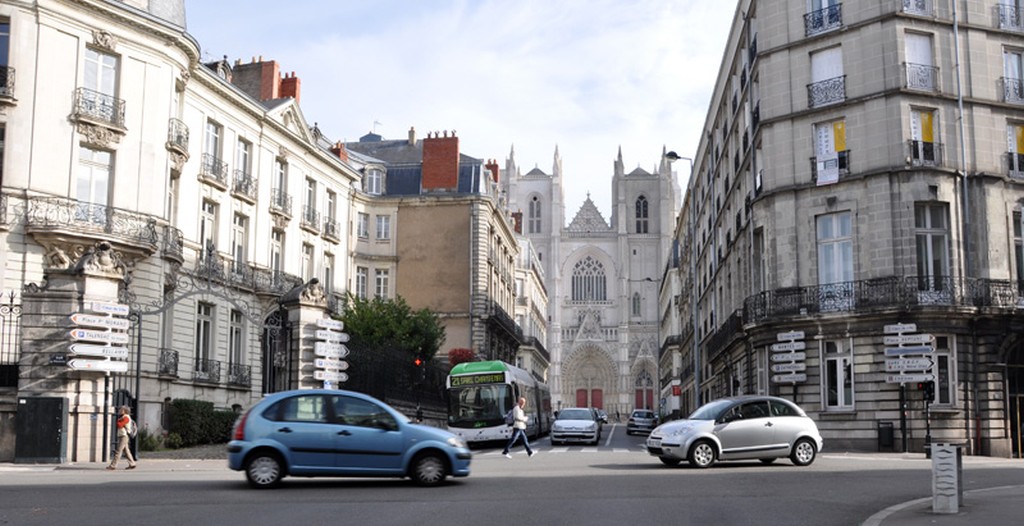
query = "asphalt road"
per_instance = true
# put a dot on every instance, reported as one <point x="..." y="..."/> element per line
<point x="615" y="482"/>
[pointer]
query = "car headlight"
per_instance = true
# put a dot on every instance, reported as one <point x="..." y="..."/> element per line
<point x="592" y="427"/>
<point x="457" y="442"/>
<point x="677" y="431"/>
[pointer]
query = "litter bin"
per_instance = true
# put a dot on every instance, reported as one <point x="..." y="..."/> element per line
<point x="885" y="436"/>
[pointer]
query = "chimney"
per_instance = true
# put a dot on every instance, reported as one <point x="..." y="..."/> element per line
<point x="290" y="86"/>
<point x="340" y="150"/>
<point x="492" y="165"/>
<point x="261" y="80"/>
<point x="440" y="162"/>
<point x="412" y="136"/>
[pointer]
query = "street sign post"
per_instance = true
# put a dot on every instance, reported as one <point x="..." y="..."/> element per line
<point x="111" y="366"/>
<point x="105" y="351"/>
<point x="789" y="357"/>
<point x="908" y="364"/>
<point x="327" y="363"/>
<point x="328" y="323"/>
<point x="788" y="367"/>
<point x="331" y="376"/>
<point x="332" y="336"/>
<point x="793" y="377"/>
<point x="791" y="335"/>
<point x="899" y="327"/>
<point x="903" y="339"/>
<point x="788" y="346"/>
<point x="106" y="322"/>
<point x="330" y="350"/>
<point x="98" y="336"/>
<point x="117" y="309"/>
<point x="917" y="349"/>
<point x="904" y="378"/>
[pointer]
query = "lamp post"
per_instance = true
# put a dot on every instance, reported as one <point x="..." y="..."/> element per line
<point x="673" y="156"/>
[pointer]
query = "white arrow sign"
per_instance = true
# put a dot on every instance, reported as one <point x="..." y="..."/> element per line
<point x="98" y="336"/>
<point x="904" y="378"/>
<point x="789" y="357"/>
<point x="788" y="367"/>
<point x="324" y="363"/>
<point x="92" y="320"/>
<point x="908" y="364"/>
<point x="794" y="377"/>
<point x="898" y="351"/>
<point x="84" y="349"/>
<point x="329" y="375"/>
<point x="791" y="335"/>
<point x="98" y="365"/>
<point x="117" y="309"/>
<point x="331" y="336"/>
<point x="328" y="323"/>
<point x="789" y="346"/>
<point x="330" y="350"/>
<point x="907" y="338"/>
<point x="900" y="327"/>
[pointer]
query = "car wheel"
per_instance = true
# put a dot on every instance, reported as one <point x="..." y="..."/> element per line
<point x="670" y="461"/>
<point x="767" y="460"/>
<point x="702" y="454"/>
<point x="264" y="470"/>
<point x="428" y="469"/>
<point x="803" y="452"/>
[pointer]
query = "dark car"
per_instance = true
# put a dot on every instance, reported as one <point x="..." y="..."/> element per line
<point x="334" y="433"/>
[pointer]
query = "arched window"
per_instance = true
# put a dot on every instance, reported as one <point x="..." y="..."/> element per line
<point x="636" y="304"/>
<point x="533" y="216"/>
<point x="588" y="281"/>
<point x="641" y="215"/>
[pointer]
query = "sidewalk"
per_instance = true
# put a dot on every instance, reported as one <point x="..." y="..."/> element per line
<point x="1002" y="505"/>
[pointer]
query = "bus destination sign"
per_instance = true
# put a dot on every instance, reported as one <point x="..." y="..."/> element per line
<point x="476" y="379"/>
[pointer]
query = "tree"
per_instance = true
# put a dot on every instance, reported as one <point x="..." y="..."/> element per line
<point x="384" y="323"/>
<point x="460" y="355"/>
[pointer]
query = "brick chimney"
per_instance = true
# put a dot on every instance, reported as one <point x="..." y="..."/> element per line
<point x="261" y="80"/>
<point x="340" y="150"/>
<point x="290" y="86"/>
<point x="440" y="162"/>
<point x="492" y="165"/>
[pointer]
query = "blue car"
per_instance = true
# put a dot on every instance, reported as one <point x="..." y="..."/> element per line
<point x="334" y="433"/>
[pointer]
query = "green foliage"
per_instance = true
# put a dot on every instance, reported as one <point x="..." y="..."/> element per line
<point x="174" y="441"/>
<point x="148" y="441"/>
<point x="380" y="323"/>
<point x="196" y="422"/>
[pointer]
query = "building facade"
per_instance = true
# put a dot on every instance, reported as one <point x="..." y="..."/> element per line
<point x="852" y="227"/>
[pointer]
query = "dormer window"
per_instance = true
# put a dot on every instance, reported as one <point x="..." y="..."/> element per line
<point x="373" y="183"/>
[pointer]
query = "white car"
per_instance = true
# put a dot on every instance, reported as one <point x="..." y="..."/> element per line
<point x="575" y="424"/>
<point x="738" y="428"/>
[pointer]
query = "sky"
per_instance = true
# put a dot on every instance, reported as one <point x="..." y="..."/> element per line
<point x="586" y="76"/>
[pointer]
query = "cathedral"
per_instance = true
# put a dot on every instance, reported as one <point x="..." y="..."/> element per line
<point x="603" y="279"/>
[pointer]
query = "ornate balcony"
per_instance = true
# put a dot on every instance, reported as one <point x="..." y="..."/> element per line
<point x="332" y="231"/>
<point x="923" y="153"/>
<point x="98" y="108"/>
<point x="244" y="187"/>
<point x="1011" y="17"/>
<point x="280" y="203"/>
<point x="822" y="20"/>
<point x="842" y="160"/>
<point x="214" y="172"/>
<point x="177" y="136"/>
<point x="6" y="83"/>
<point x="922" y="77"/>
<point x="826" y="92"/>
<point x="310" y="220"/>
<point x="207" y="371"/>
<point x="239" y="375"/>
<point x="168" y="363"/>
<point x="1013" y="90"/>
<point x="918" y="7"/>
<point x="64" y="225"/>
<point x="219" y="268"/>
<point x="173" y="245"/>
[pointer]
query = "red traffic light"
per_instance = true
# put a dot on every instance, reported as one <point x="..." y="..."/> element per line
<point x="418" y="362"/>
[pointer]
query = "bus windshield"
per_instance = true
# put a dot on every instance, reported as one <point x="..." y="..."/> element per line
<point x="479" y="405"/>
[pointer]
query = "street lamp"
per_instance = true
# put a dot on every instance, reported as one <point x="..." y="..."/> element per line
<point x="672" y="157"/>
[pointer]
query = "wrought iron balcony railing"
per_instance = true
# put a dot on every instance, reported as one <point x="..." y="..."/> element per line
<point x="168" y="363"/>
<point x="97" y="106"/>
<point x="842" y="160"/>
<point x="3" y="209"/>
<point x="922" y="153"/>
<point x="177" y="135"/>
<point x="93" y="220"/>
<point x="918" y="7"/>
<point x="6" y="81"/>
<point x="331" y="229"/>
<point x="1011" y="17"/>
<point x="824" y="19"/>
<point x="244" y="186"/>
<point x="310" y="219"/>
<point x="501" y="317"/>
<point x="829" y="91"/>
<point x="1013" y="90"/>
<point x="922" y="77"/>
<point x="207" y="371"/>
<point x="214" y="171"/>
<point x="174" y="244"/>
<point x="220" y="268"/>
<point x="1015" y="165"/>
<point x="728" y="331"/>
<point x="280" y="202"/>
<point x="239" y="375"/>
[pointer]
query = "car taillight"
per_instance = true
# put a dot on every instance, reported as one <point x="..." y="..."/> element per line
<point x="239" y="432"/>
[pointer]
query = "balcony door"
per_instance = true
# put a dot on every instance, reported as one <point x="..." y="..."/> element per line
<point x="835" y="262"/>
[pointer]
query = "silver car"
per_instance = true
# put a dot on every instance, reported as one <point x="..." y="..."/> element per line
<point x="738" y="428"/>
<point x="641" y="421"/>
<point x="576" y="424"/>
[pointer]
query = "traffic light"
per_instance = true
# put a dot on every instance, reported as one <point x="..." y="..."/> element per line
<point x="928" y="388"/>
<point x="418" y="362"/>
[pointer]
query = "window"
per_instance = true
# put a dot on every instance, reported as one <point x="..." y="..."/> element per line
<point x="1018" y="250"/>
<point x="362" y="278"/>
<point x="208" y="227"/>
<point x="533" y="219"/>
<point x="828" y="84"/>
<point x="92" y="187"/>
<point x="831" y="159"/>
<point x="588" y="281"/>
<point x="641" y="215"/>
<point x="923" y="148"/>
<point x="236" y="335"/>
<point x="243" y="156"/>
<point x="837" y="377"/>
<point x="1011" y="15"/>
<point x="307" y="262"/>
<point x="373" y="183"/>
<point x="381" y="283"/>
<point x="100" y="73"/>
<point x="931" y="221"/>
<point x="277" y="252"/>
<point x="332" y="205"/>
<point x="204" y="336"/>
<point x="328" y="273"/>
<point x="363" y="225"/>
<point x="944" y="371"/>
<point x="239" y="242"/>
<point x="822" y="16"/>
<point x="310" y="200"/>
<point x="6" y="74"/>
<point x="835" y="262"/>
<point x="636" y="304"/>
<point x="1013" y="64"/>
<point x="355" y="412"/>
<point x="383" y="228"/>
<point x="1015" y="149"/>
<point x="279" y="197"/>
<point x="921" y="71"/>
<point x="211" y="144"/>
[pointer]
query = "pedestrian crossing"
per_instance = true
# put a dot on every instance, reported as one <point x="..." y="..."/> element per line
<point x="561" y="450"/>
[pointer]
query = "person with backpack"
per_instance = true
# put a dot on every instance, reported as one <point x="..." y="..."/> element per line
<point x="519" y="420"/>
<point x="125" y="427"/>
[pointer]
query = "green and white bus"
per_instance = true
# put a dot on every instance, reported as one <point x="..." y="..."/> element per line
<point x="480" y="393"/>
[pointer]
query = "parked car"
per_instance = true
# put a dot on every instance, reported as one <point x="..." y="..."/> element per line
<point x="738" y="428"/>
<point x="602" y="416"/>
<point x="575" y="424"/>
<point x="334" y="433"/>
<point x="641" y="420"/>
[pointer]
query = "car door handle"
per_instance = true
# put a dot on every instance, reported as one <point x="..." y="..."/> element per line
<point x="768" y="424"/>
<point x="285" y="430"/>
<point x="344" y="433"/>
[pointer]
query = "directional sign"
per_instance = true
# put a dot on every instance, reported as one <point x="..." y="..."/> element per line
<point x="793" y="377"/>
<point x="108" y="322"/>
<point x="791" y="335"/>
<point x="98" y="336"/>
<point x="899" y="351"/>
<point x="788" y="367"/>
<point x="84" y="349"/>
<point x="332" y="336"/>
<point x="900" y="327"/>
<point x="908" y="364"/>
<point x="908" y="338"/>
<point x="789" y="356"/>
<point x="98" y="365"/>
<point x="789" y="346"/>
<point x="330" y="350"/>
<point x="117" y="309"/>
<point x="326" y="363"/>
<point x="326" y="375"/>
<point x="328" y="323"/>
<point x="904" y="378"/>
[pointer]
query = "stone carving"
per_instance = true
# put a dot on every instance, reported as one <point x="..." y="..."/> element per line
<point x="104" y="39"/>
<point x="588" y="219"/>
<point x="98" y="135"/>
<point x="182" y="80"/>
<point x="178" y="162"/>
<point x="313" y="292"/>
<point x="101" y="260"/>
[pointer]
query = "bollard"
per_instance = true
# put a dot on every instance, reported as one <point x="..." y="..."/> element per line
<point x="947" y="472"/>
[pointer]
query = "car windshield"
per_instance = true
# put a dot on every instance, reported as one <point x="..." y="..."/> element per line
<point x="710" y="410"/>
<point x="575" y="414"/>
<point x="643" y="414"/>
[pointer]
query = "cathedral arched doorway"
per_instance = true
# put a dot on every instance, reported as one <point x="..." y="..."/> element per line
<point x="589" y="378"/>
<point x="643" y="391"/>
